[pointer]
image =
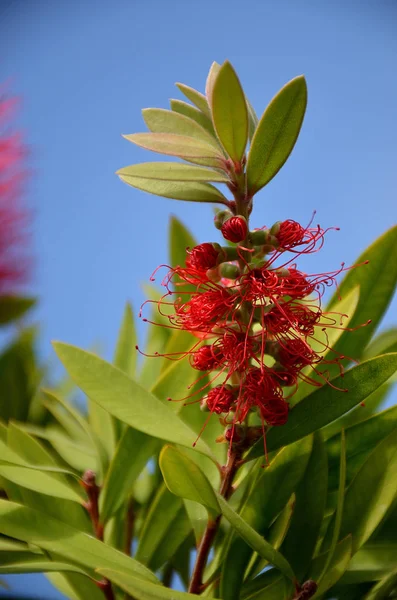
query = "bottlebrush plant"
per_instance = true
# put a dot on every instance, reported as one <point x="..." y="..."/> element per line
<point x="246" y="456"/>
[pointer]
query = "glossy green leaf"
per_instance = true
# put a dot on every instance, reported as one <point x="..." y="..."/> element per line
<point x="179" y="532"/>
<point x="276" y="134"/>
<point x="377" y="281"/>
<point x="188" y="191"/>
<point x="75" y="586"/>
<point x="339" y="507"/>
<point x="14" y="307"/>
<point x="363" y="511"/>
<point x="39" y="565"/>
<point x="124" y="398"/>
<point x="268" y="586"/>
<point x="371" y="563"/>
<point x="301" y="539"/>
<point x="269" y="493"/>
<point x="229" y="112"/>
<point x="328" y="403"/>
<point x="252" y="119"/>
<point x="339" y="563"/>
<point x="54" y="536"/>
<point x="361" y="439"/>
<point x="254" y="540"/>
<point x="384" y="588"/>
<point x="195" y="97"/>
<point x="185" y="479"/>
<point x="133" y="452"/>
<point x="385" y="341"/>
<point x="209" y="84"/>
<point x="160" y="120"/>
<point x="174" y="145"/>
<point x="183" y="108"/>
<point x="164" y="171"/>
<point x="144" y="590"/>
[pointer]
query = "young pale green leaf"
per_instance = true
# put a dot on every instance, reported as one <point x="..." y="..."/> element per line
<point x="377" y="281"/>
<point x="175" y="145"/>
<point x="195" y="97"/>
<point x="184" y="478"/>
<point x="229" y="112"/>
<point x="176" y="190"/>
<point x="126" y="354"/>
<point x="68" y="543"/>
<point x="252" y="119"/>
<point x="328" y="403"/>
<point x="168" y="171"/>
<point x="363" y="511"/>
<point x="337" y="567"/>
<point x="124" y="398"/>
<point x="209" y="84"/>
<point x="276" y="134"/>
<point x="339" y="507"/>
<point x="254" y="540"/>
<point x="160" y="120"/>
<point x="183" y="108"/>
<point x="14" y="307"/>
<point x="141" y="590"/>
<point x="132" y="453"/>
<point x="311" y="494"/>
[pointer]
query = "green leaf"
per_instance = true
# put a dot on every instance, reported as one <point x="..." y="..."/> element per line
<point x="175" y="145"/>
<point x="385" y="341"/>
<point x="144" y="590"/>
<point x="384" y="588"/>
<point x="159" y="525"/>
<point x="269" y="493"/>
<point x="267" y="586"/>
<point x="126" y="354"/>
<point x="188" y="191"/>
<point x="195" y="97"/>
<point x="328" y="403"/>
<point x="254" y="540"/>
<point x="167" y="171"/>
<point x="65" y="541"/>
<point x="363" y="511"/>
<point x="337" y="567"/>
<point x="339" y="507"/>
<point x="124" y="398"/>
<point x="183" y="108"/>
<point x="212" y="75"/>
<point x="276" y="134"/>
<point x="180" y="238"/>
<point x="160" y="120"/>
<point x="229" y="112"/>
<point x="301" y="539"/>
<point x="371" y="563"/>
<point x="75" y="586"/>
<point x="252" y="119"/>
<point x="14" y="307"/>
<point x="133" y="452"/>
<point x="184" y="478"/>
<point x="377" y="281"/>
<point x="38" y="565"/>
<point x="360" y="440"/>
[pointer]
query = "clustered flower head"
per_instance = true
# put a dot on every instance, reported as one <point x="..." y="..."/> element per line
<point x="255" y="318"/>
<point x="13" y="266"/>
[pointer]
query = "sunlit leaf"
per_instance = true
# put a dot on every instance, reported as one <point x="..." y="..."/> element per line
<point x="194" y="113"/>
<point x="195" y="97"/>
<point x="276" y="134"/>
<point x="14" y="307"/>
<point x="164" y="171"/>
<point x="188" y="191"/>
<point x="160" y="120"/>
<point x="174" y="145"/>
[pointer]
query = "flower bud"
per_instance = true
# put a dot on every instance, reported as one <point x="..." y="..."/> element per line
<point x="219" y="399"/>
<point x="234" y="434"/>
<point x="259" y="237"/>
<point x="235" y="229"/>
<point x="289" y="234"/>
<point x="204" y="256"/>
<point x="229" y="271"/>
<point x="204" y="359"/>
<point x="221" y="217"/>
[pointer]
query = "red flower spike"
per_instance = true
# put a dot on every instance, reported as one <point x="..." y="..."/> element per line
<point x="219" y="400"/>
<point x="235" y="229"/>
<point x="203" y="257"/>
<point x="295" y="354"/>
<point x="204" y="359"/>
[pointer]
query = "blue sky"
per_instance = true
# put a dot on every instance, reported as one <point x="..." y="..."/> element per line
<point x="86" y="69"/>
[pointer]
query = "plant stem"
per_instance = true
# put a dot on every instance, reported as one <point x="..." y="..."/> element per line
<point x="130" y="522"/>
<point x="229" y="471"/>
<point x="92" y="507"/>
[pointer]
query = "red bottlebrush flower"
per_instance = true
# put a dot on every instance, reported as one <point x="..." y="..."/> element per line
<point x="204" y="359"/>
<point x="203" y="257"/>
<point x="274" y="411"/>
<point x="13" y="263"/>
<point x="204" y="311"/>
<point x="294" y="354"/>
<point x="290" y="234"/>
<point x="235" y="229"/>
<point x="259" y="387"/>
<point x="219" y="400"/>
<point x="295" y="284"/>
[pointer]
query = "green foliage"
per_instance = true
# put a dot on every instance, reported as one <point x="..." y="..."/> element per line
<point x="123" y="489"/>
